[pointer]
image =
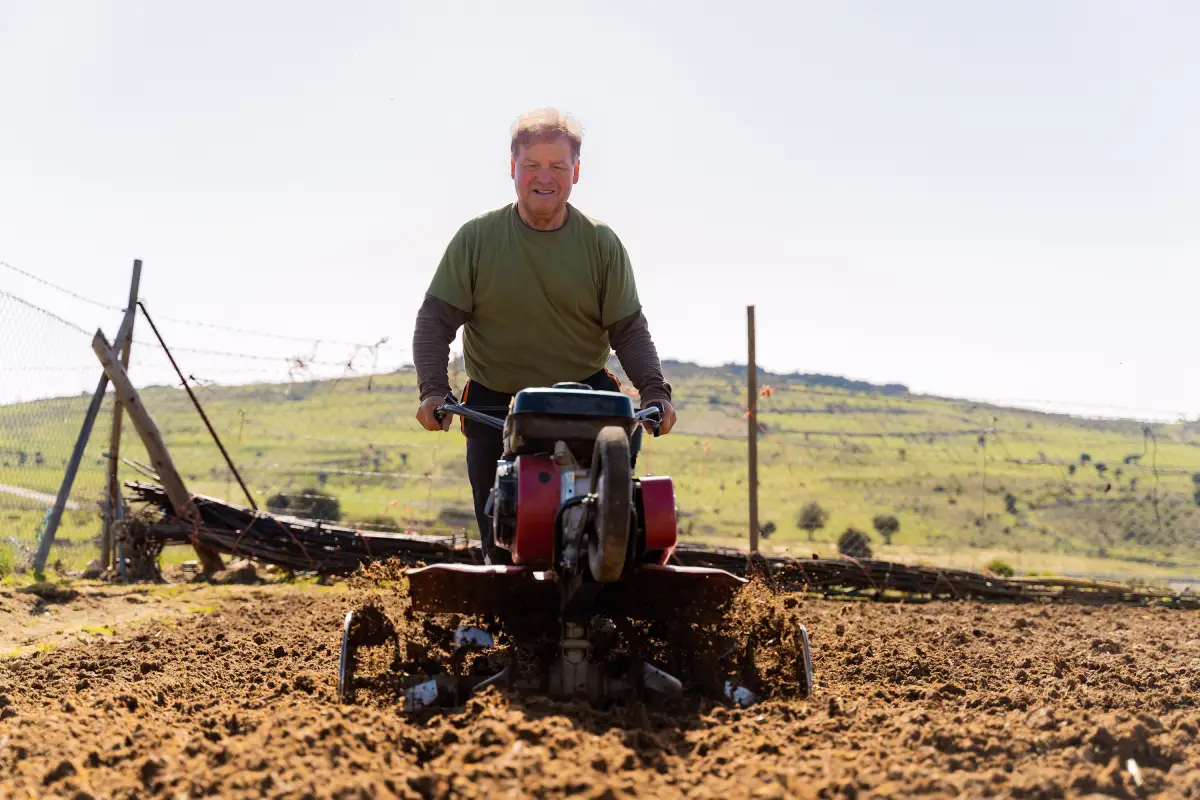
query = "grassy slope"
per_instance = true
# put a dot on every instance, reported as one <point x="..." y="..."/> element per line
<point x="857" y="453"/>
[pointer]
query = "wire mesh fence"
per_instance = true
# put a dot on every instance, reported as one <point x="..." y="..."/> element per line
<point x="326" y="430"/>
<point x="48" y="375"/>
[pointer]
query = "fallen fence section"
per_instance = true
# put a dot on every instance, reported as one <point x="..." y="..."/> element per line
<point x="290" y="542"/>
<point x="319" y="547"/>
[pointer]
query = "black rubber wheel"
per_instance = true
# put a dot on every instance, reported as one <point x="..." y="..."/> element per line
<point x="612" y="485"/>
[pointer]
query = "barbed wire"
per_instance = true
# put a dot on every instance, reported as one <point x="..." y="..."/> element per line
<point x="47" y="312"/>
<point x="58" y="288"/>
<point x="193" y="322"/>
<point x="316" y="340"/>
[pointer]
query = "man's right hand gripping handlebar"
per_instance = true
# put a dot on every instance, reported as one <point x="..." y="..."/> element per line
<point x="431" y="415"/>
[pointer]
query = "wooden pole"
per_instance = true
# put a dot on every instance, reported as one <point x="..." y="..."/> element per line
<point x="160" y="458"/>
<point x="752" y="407"/>
<point x="114" y="441"/>
<point x="85" y="432"/>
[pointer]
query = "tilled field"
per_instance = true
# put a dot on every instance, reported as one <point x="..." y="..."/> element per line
<point x="943" y="699"/>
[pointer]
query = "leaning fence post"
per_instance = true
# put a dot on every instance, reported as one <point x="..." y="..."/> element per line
<point x="85" y="431"/>
<point x="160" y="457"/>
<point x="113" y="492"/>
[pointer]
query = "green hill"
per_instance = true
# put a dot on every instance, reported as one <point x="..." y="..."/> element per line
<point x="966" y="481"/>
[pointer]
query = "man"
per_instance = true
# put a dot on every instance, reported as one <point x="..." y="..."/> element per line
<point x="545" y="293"/>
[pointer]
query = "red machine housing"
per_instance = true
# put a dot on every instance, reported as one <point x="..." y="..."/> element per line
<point x="539" y="490"/>
<point x="656" y="514"/>
<point x="539" y="496"/>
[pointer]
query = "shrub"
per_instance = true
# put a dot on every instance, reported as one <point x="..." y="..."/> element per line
<point x="309" y="504"/>
<point x="8" y="560"/>
<point x="765" y="530"/>
<point x="1001" y="568"/>
<point x="811" y="518"/>
<point x="854" y="543"/>
<point x="886" y="525"/>
<point x="1010" y="504"/>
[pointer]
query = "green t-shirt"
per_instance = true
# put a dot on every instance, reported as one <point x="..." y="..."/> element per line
<point x="539" y="301"/>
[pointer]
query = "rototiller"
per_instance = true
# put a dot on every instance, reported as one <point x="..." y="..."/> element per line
<point x="589" y="545"/>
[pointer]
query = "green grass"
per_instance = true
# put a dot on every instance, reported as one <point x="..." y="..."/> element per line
<point x="1010" y="494"/>
<point x="74" y="543"/>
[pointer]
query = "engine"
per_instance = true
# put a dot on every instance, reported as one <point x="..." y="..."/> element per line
<point x="531" y="490"/>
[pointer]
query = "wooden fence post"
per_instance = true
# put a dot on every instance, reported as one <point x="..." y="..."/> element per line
<point x="160" y="458"/>
<point x="113" y="492"/>
<point x="752" y="408"/>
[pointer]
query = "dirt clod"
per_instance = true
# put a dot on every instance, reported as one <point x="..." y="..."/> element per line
<point x="64" y="769"/>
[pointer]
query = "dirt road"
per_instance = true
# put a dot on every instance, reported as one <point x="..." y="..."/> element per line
<point x="38" y="499"/>
<point x="940" y="700"/>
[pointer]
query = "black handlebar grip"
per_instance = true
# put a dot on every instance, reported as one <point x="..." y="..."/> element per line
<point x="657" y="426"/>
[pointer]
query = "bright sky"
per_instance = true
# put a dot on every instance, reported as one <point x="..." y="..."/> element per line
<point x="988" y="200"/>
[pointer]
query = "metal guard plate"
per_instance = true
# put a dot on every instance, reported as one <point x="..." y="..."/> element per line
<point x="648" y="592"/>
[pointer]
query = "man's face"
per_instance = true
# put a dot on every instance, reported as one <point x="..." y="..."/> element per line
<point x="544" y="173"/>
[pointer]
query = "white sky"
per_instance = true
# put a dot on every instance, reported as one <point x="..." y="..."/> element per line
<point x="991" y="200"/>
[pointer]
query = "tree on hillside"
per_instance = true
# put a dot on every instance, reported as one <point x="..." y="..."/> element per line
<point x="812" y="518"/>
<point x="886" y="525"/>
<point x="854" y="543"/>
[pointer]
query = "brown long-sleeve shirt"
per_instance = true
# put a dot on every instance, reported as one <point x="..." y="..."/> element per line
<point x="438" y="323"/>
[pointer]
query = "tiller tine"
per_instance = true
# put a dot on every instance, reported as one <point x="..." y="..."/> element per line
<point x="370" y="628"/>
<point x="366" y="627"/>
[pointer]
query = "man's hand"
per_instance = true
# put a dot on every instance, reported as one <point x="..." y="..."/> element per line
<point x="667" y="418"/>
<point x="427" y="418"/>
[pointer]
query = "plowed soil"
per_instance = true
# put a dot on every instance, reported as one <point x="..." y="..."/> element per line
<point x="935" y="700"/>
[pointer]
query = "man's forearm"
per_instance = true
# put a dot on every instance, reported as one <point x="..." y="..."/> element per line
<point x="437" y="325"/>
<point x="630" y="339"/>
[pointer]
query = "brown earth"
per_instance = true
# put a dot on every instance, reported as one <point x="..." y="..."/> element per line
<point x="52" y="614"/>
<point x="937" y="700"/>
